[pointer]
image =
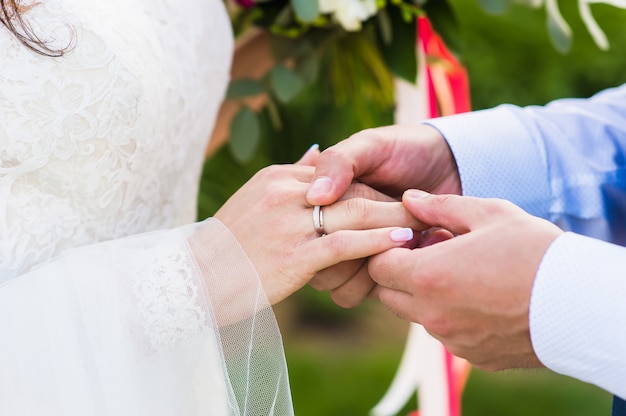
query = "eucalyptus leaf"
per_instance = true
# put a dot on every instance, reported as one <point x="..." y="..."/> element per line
<point x="306" y="10"/>
<point x="495" y="6"/>
<point x="285" y="83"/>
<point x="558" y="29"/>
<point x="401" y="54"/>
<point x="244" y="135"/>
<point x="244" y="88"/>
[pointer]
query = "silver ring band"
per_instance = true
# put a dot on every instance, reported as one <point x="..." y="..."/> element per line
<point x="318" y="220"/>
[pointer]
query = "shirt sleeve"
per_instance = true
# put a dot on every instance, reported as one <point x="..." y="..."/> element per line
<point x="173" y="322"/>
<point x="577" y="311"/>
<point x="564" y="162"/>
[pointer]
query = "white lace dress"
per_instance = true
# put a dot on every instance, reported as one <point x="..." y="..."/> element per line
<point x="105" y="143"/>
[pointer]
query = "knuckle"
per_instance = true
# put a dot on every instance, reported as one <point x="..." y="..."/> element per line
<point x="365" y="134"/>
<point x="277" y="192"/>
<point x="358" y="208"/>
<point x="271" y="172"/>
<point x="325" y="280"/>
<point x="360" y="190"/>
<point x="403" y="217"/>
<point x="438" y="325"/>
<point x="444" y="203"/>
<point x="424" y="280"/>
<point x="318" y="284"/>
<point x="498" y="207"/>
<point x="337" y="244"/>
<point x="285" y="262"/>
<point x="334" y="156"/>
<point x="275" y="197"/>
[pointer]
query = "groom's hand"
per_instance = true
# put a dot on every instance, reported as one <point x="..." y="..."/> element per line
<point x="472" y="292"/>
<point x="391" y="159"/>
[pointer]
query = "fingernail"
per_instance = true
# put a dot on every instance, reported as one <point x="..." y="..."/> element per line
<point x="313" y="147"/>
<point x="319" y="187"/>
<point x="415" y="194"/>
<point x="401" y="235"/>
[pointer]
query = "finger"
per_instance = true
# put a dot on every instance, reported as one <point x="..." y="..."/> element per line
<point x="350" y="245"/>
<point x="335" y="276"/>
<point x="339" y="165"/>
<point x="458" y="214"/>
<point x="362" y="214"/>
<point x="401" y="303"/>
<point x="434" y="236"/>
<point x="361" y="190"/>
<point x="352" y="292"/>
<point x="394" y="268"/>
<point x="374" y="292"/>
<point x="310" y="157"/>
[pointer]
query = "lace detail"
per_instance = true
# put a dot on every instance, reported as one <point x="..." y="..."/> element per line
<point x="108" y="140"/>
<point x="167" y="296"/>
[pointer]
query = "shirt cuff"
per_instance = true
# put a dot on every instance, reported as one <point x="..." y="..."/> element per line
<point x="578" y="313"/>
<point x="498" y="157"/>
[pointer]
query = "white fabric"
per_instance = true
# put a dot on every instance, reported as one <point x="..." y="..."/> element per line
<point x="563" y="162"/>
<point x="108" y="142"/>
<point x="587" y="336"/>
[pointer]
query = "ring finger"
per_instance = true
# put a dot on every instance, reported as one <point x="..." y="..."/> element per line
<point x="365" y="214"/>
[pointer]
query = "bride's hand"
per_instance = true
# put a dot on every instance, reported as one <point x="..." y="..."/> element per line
<point x="273" y="223"/>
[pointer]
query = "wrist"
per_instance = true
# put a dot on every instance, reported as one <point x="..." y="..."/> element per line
<point x="442" y="159"/>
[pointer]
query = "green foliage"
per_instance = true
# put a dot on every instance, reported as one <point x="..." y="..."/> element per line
<point x="353" y="70"/>
<point x="242" y="88"/>
<point x="345" y="371"/>
<point x="397" y="44"/>
<point x="560" y="33"/>
<point x="286" y="84"/>
<point x="306" y="43"/>
<point x="510" y="59"/>
<point x="348" y="378"/>
<point x="306" y="10"/>
<point x="495" y="6"/>
<point x="244" y="134"/>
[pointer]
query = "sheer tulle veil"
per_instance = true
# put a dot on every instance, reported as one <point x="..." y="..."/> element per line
<point x="112" y="302"/>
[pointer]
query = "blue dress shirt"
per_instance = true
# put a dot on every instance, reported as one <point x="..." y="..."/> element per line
<point x="565" y="162"/>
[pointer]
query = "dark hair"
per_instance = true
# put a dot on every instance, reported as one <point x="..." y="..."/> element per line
<point x="11" y="18"/>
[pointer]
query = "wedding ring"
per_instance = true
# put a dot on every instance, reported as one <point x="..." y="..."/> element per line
<point x="318" y="220"/>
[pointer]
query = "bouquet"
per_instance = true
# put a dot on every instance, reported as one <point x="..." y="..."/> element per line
<point x="354" y="47"/>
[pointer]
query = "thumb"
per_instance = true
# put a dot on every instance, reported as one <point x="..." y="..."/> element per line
<point x="458" y="214"/>
<point x="334" y="173"/>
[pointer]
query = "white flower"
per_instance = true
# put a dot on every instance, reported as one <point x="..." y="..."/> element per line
<point x="349" y="13"/>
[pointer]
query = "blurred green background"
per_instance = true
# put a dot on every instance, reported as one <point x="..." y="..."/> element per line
<point x="342" y="361"/>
